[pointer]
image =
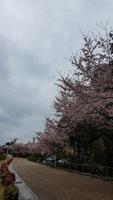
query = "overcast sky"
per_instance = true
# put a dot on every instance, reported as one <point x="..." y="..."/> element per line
<point x="35" y="41"/>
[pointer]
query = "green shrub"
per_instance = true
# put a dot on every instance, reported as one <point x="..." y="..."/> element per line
<point x="7" y="176"/>
<point x="100" y="170"/>
<point x="8" y="180"/>
<point x="36" y="158"/>
<point x="9" y="160"/>
<point x="2" y="157"/>
<point x="33" y="158"/>
<point x="11" y="193"/>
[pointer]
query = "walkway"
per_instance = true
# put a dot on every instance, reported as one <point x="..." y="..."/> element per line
<point x="54" y="184"/>
<point x="25" y="192"/>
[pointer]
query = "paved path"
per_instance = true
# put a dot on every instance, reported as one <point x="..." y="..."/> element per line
<point x="55" y="184"/>
<point x="25" y="192"/>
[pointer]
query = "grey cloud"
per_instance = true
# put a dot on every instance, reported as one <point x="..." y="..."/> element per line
<point x="35" y="41"/>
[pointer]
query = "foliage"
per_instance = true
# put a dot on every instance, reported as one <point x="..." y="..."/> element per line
<point x="11" y="193"/>
<point x="2" y="157"/>
<point x="85" y="101"/>
<point x="8" y="178"/>
<point x="1" y="191"/>
<point x="35" y="157"/>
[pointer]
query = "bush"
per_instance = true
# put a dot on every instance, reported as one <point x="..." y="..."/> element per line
<point x="36" y="158"/>
<point x="33" y="158"/>
<point x="11" y="193"/>
<point x="9" y="161"/>
<point x="13" y="175"/>
<point x="8" y="178"/>
<point x="2" y="157"/>
<point x="4" y="169"/>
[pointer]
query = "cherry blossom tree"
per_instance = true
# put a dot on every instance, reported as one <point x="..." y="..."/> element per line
<point x="84" y="104"/>
<point x="51" y="138"/>
<point x="85" y="101"/>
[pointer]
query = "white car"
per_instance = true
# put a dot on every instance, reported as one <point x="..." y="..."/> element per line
<point x="62" y="161"/>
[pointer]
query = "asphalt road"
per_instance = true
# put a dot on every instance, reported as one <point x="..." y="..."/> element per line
<point x="54" y="184"/>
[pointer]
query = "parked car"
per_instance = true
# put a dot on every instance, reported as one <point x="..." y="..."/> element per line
<point x="49" y="160"/>
<point x="62" y="161"/>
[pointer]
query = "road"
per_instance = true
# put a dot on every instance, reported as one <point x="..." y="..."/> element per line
<point x="54" y="184"/>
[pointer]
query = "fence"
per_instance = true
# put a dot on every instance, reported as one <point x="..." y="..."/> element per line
<point x="95" y="169"/>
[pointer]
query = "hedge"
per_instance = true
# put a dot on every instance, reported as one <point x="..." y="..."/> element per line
<point x="10" y="192"/>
